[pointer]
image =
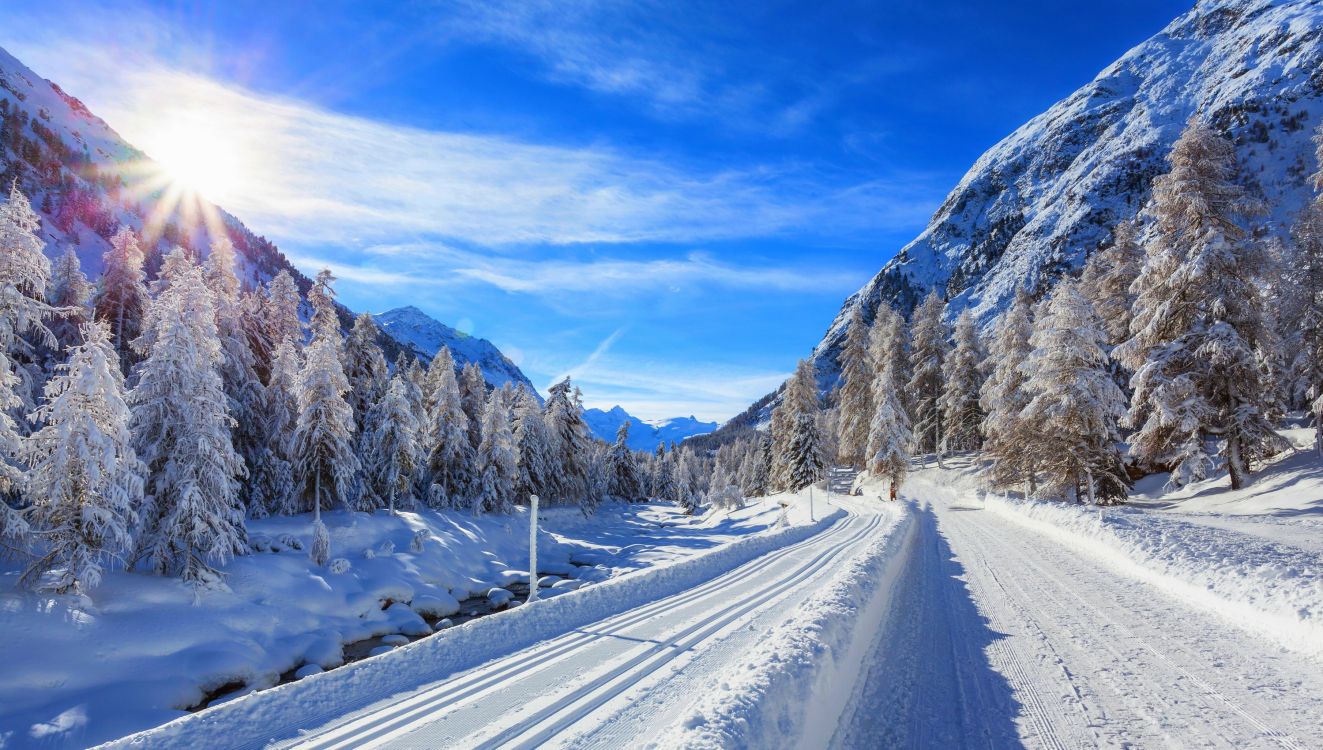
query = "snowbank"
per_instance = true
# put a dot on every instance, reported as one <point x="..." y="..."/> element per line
<point x="80" y="670"/>
<point x="1271" y="589"/>
<point x="256" y="720"/>
<point x="817" y="652"/>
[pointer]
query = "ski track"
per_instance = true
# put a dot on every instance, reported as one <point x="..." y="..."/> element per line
<point x="605" y="685"/>
<point x="1001" y="637"/>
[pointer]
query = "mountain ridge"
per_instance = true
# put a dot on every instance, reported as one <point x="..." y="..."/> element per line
<point x="1038" y="203"/>
<point x="644" y="434"/>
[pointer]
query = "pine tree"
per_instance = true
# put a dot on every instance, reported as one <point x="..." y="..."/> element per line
<point x="272" y="475"/>
<point x="450" y="464"/>
<point x="365" y="366"/>
<point x="1004" y="397"/>
<point x="473" y="397"/>
<point x="69" y="293"/>
<point x="243" y="388"/>
<point x="924" y="389"/>
<point x="1200" y="330"/>
<point x="498" y="468"/>
<point x="391" y="450"/>
<point x="682" y="482"/>
<point x="533" y="442"/>
<point x="888" y="347"/>
<point x="322" y="444"/>
<point x="123" y="300"/>
<point x="181" y="428"/>
<point x="854" y="396"/>
<point x="1107" y="278"/>
<point x="798" y="457"/>
<point x="625" y="481"/>
<point x="569" y="443"/>
<point x="14" y="529"/>
<point x="889" y="432"/>
<point x="1307" y="280"/>
<point x="85" y="483"/>
<point x="1075" y="404"/>
<point x="24" y="275"/>
<point x="962" y="378"/>
<point x="280" y="310"/>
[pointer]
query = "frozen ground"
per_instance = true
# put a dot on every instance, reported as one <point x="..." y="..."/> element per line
<point x="137" y="653"/>
<point x="1015" y="628"/>
<point x="953" y="619"/>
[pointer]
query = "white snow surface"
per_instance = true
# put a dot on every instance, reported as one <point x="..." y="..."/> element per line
<point x="78" y="671"/>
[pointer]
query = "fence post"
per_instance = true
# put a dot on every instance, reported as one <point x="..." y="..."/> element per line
<point x="532" y="548"/>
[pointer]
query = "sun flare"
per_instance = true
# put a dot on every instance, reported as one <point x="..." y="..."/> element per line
<point x="196" y="156"/>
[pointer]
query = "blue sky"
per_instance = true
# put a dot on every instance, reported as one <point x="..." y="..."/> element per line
<point x="667" y="200"/>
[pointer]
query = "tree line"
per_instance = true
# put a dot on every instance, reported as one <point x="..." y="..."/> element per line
<point x="1179" y="347"/>
<point x="143" y="422"/>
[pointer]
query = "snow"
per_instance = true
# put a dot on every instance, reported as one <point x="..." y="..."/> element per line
<point x="1271" y="589"/>
<point x="424" y="336"/>
<point x="136" y="652"/>
<point x="795" y="682"/>
<point x="278" y="713"/>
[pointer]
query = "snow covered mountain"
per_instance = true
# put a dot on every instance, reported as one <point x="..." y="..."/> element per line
<point x="424" y="336"/>
<point x="644" y="435"/>
<point x="1035" y="205"/>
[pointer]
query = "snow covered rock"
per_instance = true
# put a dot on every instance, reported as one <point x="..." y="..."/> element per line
<point x="546" y="582"/>
<point x="404" y="620"/>
<point x="499" y="597"/>
<point x="307" y="670"/>
<point x="394" y="639"/>
<point x="379" y="650"/>
<point x="567" y="584"/>
<point x="438" y="605"/>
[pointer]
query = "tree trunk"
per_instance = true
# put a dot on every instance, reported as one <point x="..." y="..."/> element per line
<point x="317" y="496"/>
<point x="1235" y="461"/>
<point x="1088" y="479"/>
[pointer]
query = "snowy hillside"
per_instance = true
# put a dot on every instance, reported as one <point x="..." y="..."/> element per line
<point x="424" y="336"/>
<point x="644" y="435"/>
<point x="1040" y="201"/>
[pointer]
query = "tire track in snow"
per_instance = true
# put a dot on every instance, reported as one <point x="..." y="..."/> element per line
<point x="421" y="708"/>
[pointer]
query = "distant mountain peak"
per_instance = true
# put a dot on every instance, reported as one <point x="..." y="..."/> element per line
<point x="644" y="434"/>
<point x="424" y="335"/>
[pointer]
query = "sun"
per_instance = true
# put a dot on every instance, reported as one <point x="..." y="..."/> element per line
<point x="196" y="157"/>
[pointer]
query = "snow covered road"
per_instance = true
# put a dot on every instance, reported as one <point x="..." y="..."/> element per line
<point x="615" y="682"/>
<point x="1002" y="637"/>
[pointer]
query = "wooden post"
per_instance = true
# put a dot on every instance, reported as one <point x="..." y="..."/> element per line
<point x="532" y="548"/>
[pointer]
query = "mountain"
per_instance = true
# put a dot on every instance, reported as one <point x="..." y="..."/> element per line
<point x="87" y="182"/>
<point x="644" y="435"/>
<point x="424" y="336"/>
<point x="1035" y="205"/>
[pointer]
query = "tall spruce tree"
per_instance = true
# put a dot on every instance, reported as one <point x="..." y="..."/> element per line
<point x="323" y="439"/>
<point x="799" y="458"/>
<point x="1074" y="402"/>
<point x="85" y="484"/>
<point x="889" y="432"/>
<point x="181" y="427"/>
<point x="450" y="465"/>
<point x="1004" y="397"/>
<point x="924" y="389"/>
<point x="498" y="468"/>
<point x="123" y="299"/>
<point x="625" y="481"/>
<point x="962" y="379"/>
<point x="854" y="396"/>
<point x="570" y="443"/>
<point x="69" y="293"/>
<point x="24" y="276"/>
<point x="1307" y="280"/>
<point x="391" y="450"/>
<point x="1199" y="330"/>
<point x="533" y="442"/>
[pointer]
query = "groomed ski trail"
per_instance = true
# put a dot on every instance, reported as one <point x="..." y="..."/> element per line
<point x="1000" y="637"/>
<point x="614" y="683"/>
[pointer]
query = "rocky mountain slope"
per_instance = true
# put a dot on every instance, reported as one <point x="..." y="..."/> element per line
<point x="644" y="435"/>
<point x="86" y="182"/>
<point x="423" y="336"/>
<point x="1035" y="205"/>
